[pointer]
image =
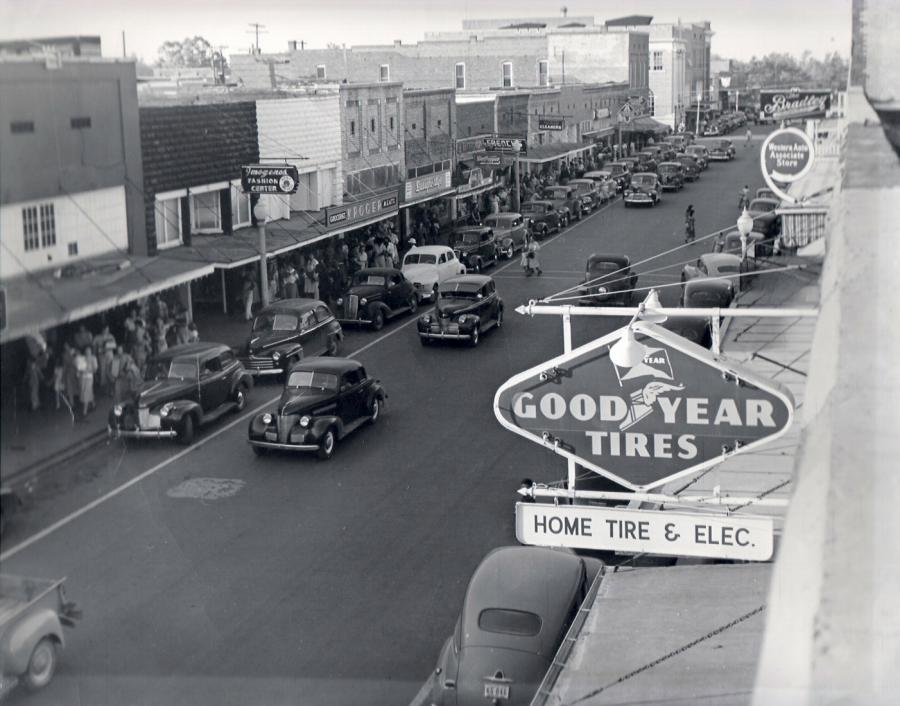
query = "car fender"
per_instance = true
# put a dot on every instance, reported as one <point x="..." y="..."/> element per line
<point x="180" y="410"/>
<point x="385" y="309"/>
<point x="19" y="641"/>
<point x="321" y="424"/>
<point x="245" y="378"/>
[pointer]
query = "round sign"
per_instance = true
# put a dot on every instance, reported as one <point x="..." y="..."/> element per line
<point x="787" y="155"/>
<point x="286" y="184"/>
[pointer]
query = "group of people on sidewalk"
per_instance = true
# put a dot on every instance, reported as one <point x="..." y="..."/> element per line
<point x="72" y="369"/>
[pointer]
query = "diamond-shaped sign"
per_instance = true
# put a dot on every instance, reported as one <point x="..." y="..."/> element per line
<point x="681" y="409"/>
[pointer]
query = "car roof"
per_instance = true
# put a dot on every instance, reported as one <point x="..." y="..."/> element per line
<point x="556" y="186"/>
<point x="581" y="181"/>
<point x="291" y="306"/>
<point x="540" y="201"/>
<point x="671" y="164"/>
<point x="190" y="349"/>
<point x="327" y="364"/>
<point x="620" y="260"/>
<point x="507" y="216"/>
<point x="763" y="199"/>
<point x="537" y="580"/>
<point x="480" y="280"/>
<point x="429" y="249"/>
<point x="471" y="229"/>
<point x="619" y="162"/>
<point x="722" y="285"/>
<point x="598" y="172"/>
<point x="650" y="174"/>
<point x="720" y="258"/>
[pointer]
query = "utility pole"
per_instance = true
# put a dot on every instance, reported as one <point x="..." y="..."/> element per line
<point x="256" y="29"/>
<point x="124" y="54"/>
<point x="218" y="62"/>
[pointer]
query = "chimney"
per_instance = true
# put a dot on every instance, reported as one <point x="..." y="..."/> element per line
<point x="398" y="42"/>
<point x="292" y="45"/>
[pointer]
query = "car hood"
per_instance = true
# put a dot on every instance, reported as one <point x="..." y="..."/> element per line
<point x="644" y="187"/>
<point x="366" y="291"/>
<point x="294" y="402"/>
<point x="155" y="392"/>
<point x="420" y="272"/>
<point x="523" y="670"/>
<point x="466" y="248"/>
<point x="262" y="342"/>
<point x="454" y="306"/>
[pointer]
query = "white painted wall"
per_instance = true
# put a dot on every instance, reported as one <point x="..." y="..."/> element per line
<point x="95" y="220"/>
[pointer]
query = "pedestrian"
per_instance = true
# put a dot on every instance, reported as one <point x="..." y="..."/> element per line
<point x="378" y="252"/>
<point x="689" y="230"/>
<point x="311" y="277"/>
<point x="290" y="279"/>
<point x="140" y="350"/>
<point x="82" y="337"/>
<point x="274" y="285"/>
<point x="744" y="201"/>
<point x="33" y="379"/>
<point x="530" y="261"/>
<point x="118" y="375"/>
<point x="193" y="335"/>
<point x="70" y="374"/>
<point x="393" y="255"/>
<point x="749" y="138"/>
<point x="435" y="231"/>
<point x="59" y="382"/>
<point x="247" y="287"/>
<point x="86" y="365"/>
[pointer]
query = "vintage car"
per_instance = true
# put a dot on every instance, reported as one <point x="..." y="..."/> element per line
<point x="426" y="266"/>
<point x="475" y="247"/>
<point x="543" y="217"/>
<point x="621" y="172"/>
<point x="566" y="200"/>
<point x="721" y="150"/>
<point x="712" y="129"/>
<point x="644" y="188"/>
<point x="10" y="504"/>
<point x="677" y="142"/>
<point x="510" y="230"/>
<point x="603" y="178"/>
<point x="323" y="400"/>
<point x="288" y="330"/>
<point x="765" y="220"/>
<point x="712" y="265"/>
<point x="701" y="153"/>
<point x="184" y="388"/>
<point x="634" y="164"/>
<point x="691" y="166"/>
<point x="647" y="162"/>
<point x="700" y="293"/>
<point x="671" y="176"/>
<point x="687" y="137"/>
<point x="519" y="604"/>
<point x="591" y="196"/>
<point x="468" y="306"/>
<point x="375" y="295"/>
<point x="765" y="193"/>
<point x="607" y="278"/>
<point x="730" y="242"/>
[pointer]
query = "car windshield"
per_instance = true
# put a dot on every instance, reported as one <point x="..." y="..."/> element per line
<point x="367" y="278"/>
<point x="616" y="168"/>
<point x="420" y="258"/>
<point x="643" y="180"/>
<point x="762" y="206"/>
<point x="275" y="322"/>
<point x="509" y="622"/>
<point x="461" y="291"/>
<point x="667" y="168"/>
<point x="558" y="193"/>
<point x="312" y="380"/>
<point x="727" y="269"/>
<point x="468" y="238"/>
<point x="602" y="267"/>
<point x="178" y="368"/>
<point x="533" y="208"/>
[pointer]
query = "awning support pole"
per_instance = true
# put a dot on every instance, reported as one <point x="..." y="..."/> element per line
<point x="567" y="348"/>
<point x="224" y="296"/>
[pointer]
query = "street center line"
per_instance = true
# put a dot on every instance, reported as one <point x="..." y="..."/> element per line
<point x="71" y="517"/>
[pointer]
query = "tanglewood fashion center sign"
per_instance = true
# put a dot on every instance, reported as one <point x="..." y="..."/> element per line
<point x="341" y="216"/>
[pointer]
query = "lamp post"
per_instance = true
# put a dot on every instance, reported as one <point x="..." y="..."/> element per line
<point x="744" y="226"/>
<point x="261" y="213"/>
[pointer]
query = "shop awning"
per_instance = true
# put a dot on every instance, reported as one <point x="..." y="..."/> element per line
<point x="43" y="300"/>
<point x="645" y="123"/>
<point x="602" y="132"/>
<point x="539" y="154"/>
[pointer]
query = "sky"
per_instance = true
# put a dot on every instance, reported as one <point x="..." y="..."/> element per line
<point x="742" y="28"/>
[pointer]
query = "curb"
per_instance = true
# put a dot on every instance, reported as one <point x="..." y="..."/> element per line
<point x="35" y="468"/>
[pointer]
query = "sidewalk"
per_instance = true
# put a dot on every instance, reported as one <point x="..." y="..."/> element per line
<point x="33" y="441"/>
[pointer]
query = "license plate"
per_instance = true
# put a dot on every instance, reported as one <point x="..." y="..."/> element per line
<point x="496" y="691"/>
<point x="271" y="436"/>
<point x="452" y="328"/>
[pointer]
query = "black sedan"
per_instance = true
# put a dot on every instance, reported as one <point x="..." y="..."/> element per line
<point x="701" y="294"/>
<point x="607" y="278"/>
<point x="375" y="295"/>
<point x="467" y="306"/>
<point x="323" y="400"/>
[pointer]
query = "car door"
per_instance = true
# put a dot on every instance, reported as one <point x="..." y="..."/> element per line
<point x="213" y="383"/>
<point x="350" y="402"/>
<point x="488" y="251"/>
<point x="312" y="334"/>
<point x="395" y="294"/>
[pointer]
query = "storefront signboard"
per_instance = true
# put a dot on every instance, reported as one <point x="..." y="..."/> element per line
<point x="551" y="123"/>
<point x="383" y="205"/>
<point x="505" y="144"/>
<point x="680" y="410"/>
<point x="792" y="104"/>
<point x="269" y="179"/>
<point x="483" y="159"/>
<point x="786" y="156"/>
<point x="426" y="185"/>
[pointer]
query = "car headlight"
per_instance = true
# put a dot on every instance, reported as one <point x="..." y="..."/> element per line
<point x="602" y="290"/>
<point x="267" y="418"/>
<point x="363" y="301"/>
<point x="426" y="319"/>
<point x="166" y="409"/>
<point x="118" y="410"/>
<point x="276" y="356"/>
<point x="305" y="420"/>
<point x="462" y="319"/>
<point x="417" y="285"/>
<point x="340" y="300"/>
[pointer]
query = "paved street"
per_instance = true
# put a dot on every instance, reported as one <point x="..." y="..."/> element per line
<point x="298" y="581"/>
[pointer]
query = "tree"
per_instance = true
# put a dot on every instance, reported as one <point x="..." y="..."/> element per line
<point x="190" y="51"/>
<point x="786" y="71"/>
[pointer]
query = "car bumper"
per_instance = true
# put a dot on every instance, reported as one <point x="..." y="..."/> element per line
<point x="446" y="335"/>
<point x="639" y="198"/>
<point x="265" y="371"/>
<point x="118" y="433"/>
<point x="719" y="158"/>
<point x="282" y="447"/>
<point x="355" y="321"/>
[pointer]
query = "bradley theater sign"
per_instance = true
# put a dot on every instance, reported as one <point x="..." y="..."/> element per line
<point x="679" y="410"/>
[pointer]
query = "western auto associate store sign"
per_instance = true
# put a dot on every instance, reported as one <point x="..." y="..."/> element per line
<point x="681" y="409"/>
<point x="383" y="205"/>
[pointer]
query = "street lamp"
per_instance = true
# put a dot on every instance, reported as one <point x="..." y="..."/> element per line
<point x="744" y="226"/>
<point x="627" y="351"/>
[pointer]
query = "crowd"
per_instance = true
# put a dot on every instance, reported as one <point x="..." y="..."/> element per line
<point x="72" y="369"/>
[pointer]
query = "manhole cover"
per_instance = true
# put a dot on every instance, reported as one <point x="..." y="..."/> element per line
<point x="206" y="488"/>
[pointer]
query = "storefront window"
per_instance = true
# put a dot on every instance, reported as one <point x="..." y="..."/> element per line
<point x="206" y="212"/>
<point x="168" y="223"/>
<point x="240" y="207"/>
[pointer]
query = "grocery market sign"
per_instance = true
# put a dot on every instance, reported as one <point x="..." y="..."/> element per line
<point x="341" y="216"/>
<point x="678" y="411"/>
<point x="645" y="531"/>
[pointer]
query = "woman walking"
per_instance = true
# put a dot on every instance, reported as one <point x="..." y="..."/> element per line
<point x="689" y="226"/>
<point x="530" y="261"/>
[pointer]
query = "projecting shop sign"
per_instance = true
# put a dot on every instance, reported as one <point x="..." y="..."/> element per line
<point x="267" y="179"/>
<point x="786" y="156"/>
<point x="645" y="531"/>
<point x="342" y="216"/>
<point x="551" y="123"/>
<point x="509" y="145"/>
<point x="681" y="409"/>
<point x="795" y="103"/>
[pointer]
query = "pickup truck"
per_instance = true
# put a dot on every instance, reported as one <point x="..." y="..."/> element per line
<point x="32" y="613"/>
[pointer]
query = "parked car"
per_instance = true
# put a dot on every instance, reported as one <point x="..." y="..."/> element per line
<point x="607" y="278"/>
<point x="566" y="199"/>
<point x="678" y="142"/>
<point x="591" y="196"/>
<point x="712" y="129"/>
<point x="33" y="614"/>
<point x="765" y="220"/>
<point x="603" y="178"/>
<point x="687" y="137"/>
<point x="765" y="193"/>
<point x="634" y="164"/>
<point x="700" y="293"/>
<point x="519" y="604"/>
<point x="184" y="388"/>
<point x="646" y="162"/>
<point x="426" y="266"/>
<point x="712" y="265"/>
<point x="621" y="172"/>
<point x="288" y="330"/>
<point x="510" y="230"/>
<point x="671" y="176"/>
<point x="468" y="306"/>
<point x="375" y="295"/>
<point x="701" y="154"/>
<point x="475" y="247"/>
<point x="323" y="401"/>
<point x="730" y="242"/>
<point x="644" y="188"/>
<point x="543" y="217"/>
<point x="691" y="166"/>
<point x="10" y="504"/>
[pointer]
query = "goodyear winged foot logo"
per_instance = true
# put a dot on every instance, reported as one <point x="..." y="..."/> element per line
<point x="656" y="365"/>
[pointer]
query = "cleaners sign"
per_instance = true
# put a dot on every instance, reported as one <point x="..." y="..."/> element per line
<point x="679" y="410"/>
<point x="645" y="531"/>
